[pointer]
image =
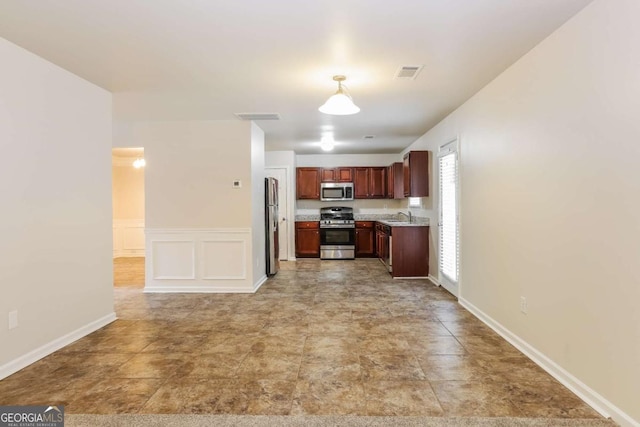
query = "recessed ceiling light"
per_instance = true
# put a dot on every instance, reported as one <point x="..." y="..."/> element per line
<point x="327" y="143"/>
<point x="258" y="116"/>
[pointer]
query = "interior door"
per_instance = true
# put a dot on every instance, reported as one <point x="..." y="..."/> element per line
<point x="283" y="210"/>
<point x="449" y="236"/>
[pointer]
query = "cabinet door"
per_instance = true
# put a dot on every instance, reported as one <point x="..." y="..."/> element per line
<point x="361" y="183"/>
<point x="395" y="182"/>
<point x="344" y="175"/>
<point x="406" y="175"/>
<point x="390" y="177"/>
<point x="308" y="183"/>
<point x="380" y="244"/>
<point x="377" y="182"/>
<point x="416" y="174"/>
<point x="307" y="242"/>
<point x="329" y="174"/>
<point x="365" y="239"/>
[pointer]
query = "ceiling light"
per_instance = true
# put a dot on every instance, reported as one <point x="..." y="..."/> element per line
<point x="340" y="103"/>
<point x="139" y="163"/>
<point x="327" y="143"/>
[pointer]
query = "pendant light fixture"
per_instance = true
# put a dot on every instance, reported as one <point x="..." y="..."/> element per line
<point x="139" y="163"/>
<point x="340" y="103"/>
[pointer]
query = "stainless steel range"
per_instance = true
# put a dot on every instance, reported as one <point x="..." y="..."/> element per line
<point x="337" y="233"/>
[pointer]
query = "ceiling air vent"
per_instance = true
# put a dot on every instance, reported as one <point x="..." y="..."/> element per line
<point x="258" y="116"/>
<point x="368" y="137"/>
<point x="408" y="72"/>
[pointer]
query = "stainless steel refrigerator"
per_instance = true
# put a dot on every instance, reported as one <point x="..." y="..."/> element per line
<point x="271" y="219"/>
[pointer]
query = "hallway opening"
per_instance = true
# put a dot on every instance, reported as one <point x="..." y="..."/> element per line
<point x="128" y="217"/>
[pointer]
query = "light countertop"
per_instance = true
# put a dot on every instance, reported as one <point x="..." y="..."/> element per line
<point x="390" y="220"/>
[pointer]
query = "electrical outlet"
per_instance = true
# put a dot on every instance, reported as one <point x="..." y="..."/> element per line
<point x="237" y="183"/>
<point x="523" y="305"/>
<point x="13" y="319"/>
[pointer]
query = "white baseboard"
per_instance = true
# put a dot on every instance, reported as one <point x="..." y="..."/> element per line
<point x="434" y="280"/>
<point x="195" y="290"/>
<point x="21" y="362"/>
<point x="261" y="281"/>
<point x="204" y="289"/>
<point x="584" y="392"/>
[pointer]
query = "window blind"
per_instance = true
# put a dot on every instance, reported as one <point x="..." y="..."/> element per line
<point x="449" y="240"/>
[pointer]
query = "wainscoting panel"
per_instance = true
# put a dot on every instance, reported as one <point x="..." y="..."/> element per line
<point x="198" y="260"/>
<point x="128" y="238"/>
<point x="173" y="259"/>
<point x="224" y="259"/>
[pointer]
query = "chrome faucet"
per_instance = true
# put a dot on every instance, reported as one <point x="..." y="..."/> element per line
<point x="407" y="215"/>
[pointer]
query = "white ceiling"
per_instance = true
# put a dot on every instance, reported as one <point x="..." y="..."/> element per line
<point x="209" y="59"/>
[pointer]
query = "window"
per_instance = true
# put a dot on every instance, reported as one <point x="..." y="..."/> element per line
<point x="449" y="232"/>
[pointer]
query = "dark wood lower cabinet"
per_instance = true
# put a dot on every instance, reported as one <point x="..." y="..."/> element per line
<point x="307" y="239"/>
<point x="410" y="251"/>
<point x="365" y="239"/>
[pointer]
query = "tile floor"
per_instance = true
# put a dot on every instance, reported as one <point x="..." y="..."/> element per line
<point x="330" y="337"/>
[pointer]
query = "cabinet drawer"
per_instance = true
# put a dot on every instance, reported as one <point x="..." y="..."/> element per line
<point x="365" y="224"/>
<point x="307" y="224"/>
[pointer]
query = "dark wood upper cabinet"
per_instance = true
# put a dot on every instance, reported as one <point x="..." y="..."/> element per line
<point x="378" y="183"/>
<point x="308" y="183"/>
<point x="416" y="174"/>
<point x="370" y="183"/>
<point x="361" y="183"/>
<point x="395" y="181"/>
<point x="337" y="174"/>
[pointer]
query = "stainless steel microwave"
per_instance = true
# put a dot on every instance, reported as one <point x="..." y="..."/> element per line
<point x="330" y="191"/>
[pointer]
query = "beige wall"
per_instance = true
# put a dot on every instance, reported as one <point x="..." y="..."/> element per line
<point x="56" y="266"/>
<point x="202" y="234"/>
<point x="550" y="184"/>
<point x="128" y="190"/>
<point x="190" y="170"/>
<point x="330" y="160"/>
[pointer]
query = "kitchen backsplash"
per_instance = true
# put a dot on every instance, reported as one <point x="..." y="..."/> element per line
<point x="309" y="210"/>
<point x="372" y="206"/>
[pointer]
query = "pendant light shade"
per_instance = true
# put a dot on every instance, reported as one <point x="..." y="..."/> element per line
<point x="139" y="163"/>
<point x="340" y="103"/>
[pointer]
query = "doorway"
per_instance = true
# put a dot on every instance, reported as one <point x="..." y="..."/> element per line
<point x="127" y="176"/>
<point x="449" y="224"/>
<point x="282" y="174"/>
